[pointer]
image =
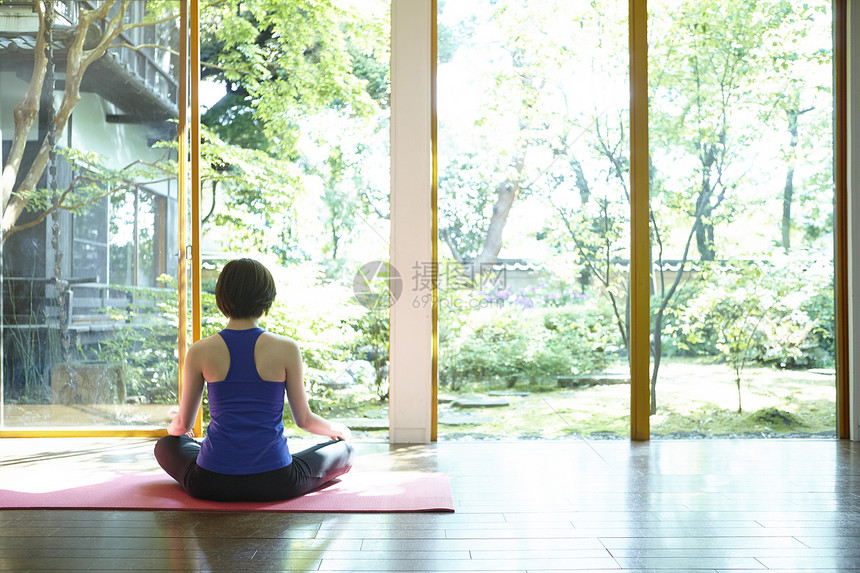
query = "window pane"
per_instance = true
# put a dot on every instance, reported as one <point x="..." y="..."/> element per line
<point x="742" y="230"/>
<point x="296" y="120"/>
<point x="90" y="241"/>
<point x="89" y="323"/>
<point x="533" y="160"/>
<point x="146" y="230"/>
<point x="122" y="238"/>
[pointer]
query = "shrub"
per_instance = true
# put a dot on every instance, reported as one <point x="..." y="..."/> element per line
<point x="498" y="345"/>
<point x="770" y="312"/>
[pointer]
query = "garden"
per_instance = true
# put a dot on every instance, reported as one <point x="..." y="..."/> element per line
<point x="533" y="215"/>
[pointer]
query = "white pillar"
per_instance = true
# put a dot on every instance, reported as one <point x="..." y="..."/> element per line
<point x="410" y="371"/>
<point x="853" y="72"/>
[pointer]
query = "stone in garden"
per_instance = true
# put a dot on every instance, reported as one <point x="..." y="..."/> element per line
<point x="604" y="378"/>
<point x="341" y="382"/>
<point x="479" y="402"/>
<point x="822" y="371"/>
<point x="599" y="378"/>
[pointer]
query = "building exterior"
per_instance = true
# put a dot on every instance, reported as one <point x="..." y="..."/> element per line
<point x="98" y="266"/>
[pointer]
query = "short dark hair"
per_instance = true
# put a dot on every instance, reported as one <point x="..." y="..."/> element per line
<point x="245" y="289"/>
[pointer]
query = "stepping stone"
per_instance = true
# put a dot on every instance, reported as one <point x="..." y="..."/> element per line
<point x="604" y="378"/>
<point x="479" y="402"/>
<point x="599" y="378"/>
<point x="509" y="393"/>
<point x="339" y="383"/>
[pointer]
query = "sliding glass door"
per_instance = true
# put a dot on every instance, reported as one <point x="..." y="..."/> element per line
<point x="295" y="154"/>
<point x="742" y="234"/>
<point x="534" y="203"/>
<point x="90" y="209"/>
<point x="533" y="211"/>
<point x="536" y="269"/>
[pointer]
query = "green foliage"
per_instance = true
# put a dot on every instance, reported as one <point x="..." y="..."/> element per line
<point x="372" y="344"/>
<point x="776" y="312"/>
<point x="532" y="121"/>
<point x="717" y="66"/>
<point x="94" y="180"/>
<point x="499" y="345"/>
<point x="301" y="125"/>
<point x="805" y="418"/>
<point x="772" y="313"/>
<point x="465" y="212"/>
<point x="286" y="59"/>
<point x="252" y="194"/>
<point x="316" y="313"/>
<point x="145" y="343"/>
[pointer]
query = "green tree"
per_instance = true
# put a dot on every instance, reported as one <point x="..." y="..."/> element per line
<point x="712" y="56"/>
<point x="19" y="190"/>
<point x="716" y="65"/>
<point x="525" y="124"/>
<point x="760" y="312"/>
<point x="289" y="67"/>
<point x="797" y="83"/>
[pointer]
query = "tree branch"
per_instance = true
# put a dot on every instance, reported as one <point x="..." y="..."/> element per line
<point x="62" y="207"/>
<point x="25" y="113"/>
<point x="78" y="60"/>
<point x="445" y="235"/>
<point x="212" y="208"/>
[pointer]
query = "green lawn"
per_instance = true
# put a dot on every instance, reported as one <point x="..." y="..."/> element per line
<point x="695" y="400"/>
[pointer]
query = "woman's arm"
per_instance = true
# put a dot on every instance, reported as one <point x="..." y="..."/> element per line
<point x="192" y="394"/>
<point x="302" y="415"/>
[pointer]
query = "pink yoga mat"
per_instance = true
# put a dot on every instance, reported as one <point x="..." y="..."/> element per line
<point x="353" y="492"/>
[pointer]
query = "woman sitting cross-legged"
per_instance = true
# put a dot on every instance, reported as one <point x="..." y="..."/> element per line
<point x="247" y="371"/>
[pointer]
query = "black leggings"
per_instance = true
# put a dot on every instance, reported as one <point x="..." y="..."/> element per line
<point x="310" y="469"/>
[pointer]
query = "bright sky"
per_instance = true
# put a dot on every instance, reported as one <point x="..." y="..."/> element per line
<point x="210" y="93"/>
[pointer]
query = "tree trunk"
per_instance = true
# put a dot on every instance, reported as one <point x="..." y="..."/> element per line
<point x="704" y="206"/>
<point x="14" y="200"/>
<point x="740" y="410"/>
<point x="657" y="334"/>
<point x="705" y="242"/>
<point x="25" y="114"/>
<point x="793" y="114"/>
<point x="506" y="194"/>
<point x="657" y="351"/>
<point x="787" y="196"/>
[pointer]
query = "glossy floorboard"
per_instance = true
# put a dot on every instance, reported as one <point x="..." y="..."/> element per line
<point x="746" y="505"/>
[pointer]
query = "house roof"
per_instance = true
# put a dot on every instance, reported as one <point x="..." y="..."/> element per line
<point x="130" y="80"/>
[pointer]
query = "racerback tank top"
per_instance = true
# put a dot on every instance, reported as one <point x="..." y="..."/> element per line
<point x="246" y="428"/>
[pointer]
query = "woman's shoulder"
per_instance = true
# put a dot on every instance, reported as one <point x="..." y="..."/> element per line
<point x="209" y="340"/>
<point x="282" y="347"/>
<point x="270" y="338"/>
<point x="206" y="349"/>
<point x="209" y="343"/>
<point x="276" y="353"/>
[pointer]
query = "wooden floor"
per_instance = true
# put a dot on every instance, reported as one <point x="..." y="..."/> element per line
<point x="744" y="505"/>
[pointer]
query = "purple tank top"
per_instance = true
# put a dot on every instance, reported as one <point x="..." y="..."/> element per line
<point x="246" y="429"/>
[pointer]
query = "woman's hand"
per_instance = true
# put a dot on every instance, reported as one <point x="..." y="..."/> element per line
<point x="340" y="431"/>
<point x="175" y="428"/>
